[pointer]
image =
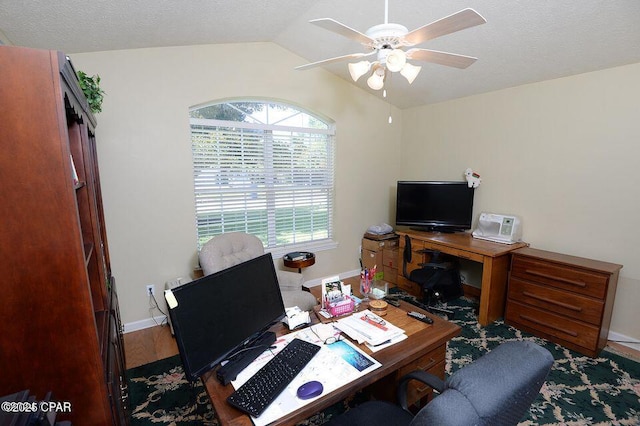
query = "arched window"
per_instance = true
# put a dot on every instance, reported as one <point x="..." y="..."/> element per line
<point x="264" y="168"/>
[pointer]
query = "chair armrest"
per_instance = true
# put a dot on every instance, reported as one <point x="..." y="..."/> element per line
<point x="289" y="280"/>
<point x="429" y="379"/>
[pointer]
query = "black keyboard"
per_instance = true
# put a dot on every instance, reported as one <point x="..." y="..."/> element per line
<point x="263" y="388"/>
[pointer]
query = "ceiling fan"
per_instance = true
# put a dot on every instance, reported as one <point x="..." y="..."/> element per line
<point x="388" y="42"/>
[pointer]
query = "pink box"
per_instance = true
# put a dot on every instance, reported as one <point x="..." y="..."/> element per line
<point x="343" y="307"/>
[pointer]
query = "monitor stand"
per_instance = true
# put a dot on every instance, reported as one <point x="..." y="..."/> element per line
<point x="230" y="370"/>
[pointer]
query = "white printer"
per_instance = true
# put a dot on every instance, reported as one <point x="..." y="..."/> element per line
<point x="501" y="228"/>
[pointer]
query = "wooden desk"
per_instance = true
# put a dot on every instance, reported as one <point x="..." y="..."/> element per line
<point x="494" y="257"/>
<point x="424" y="348"/>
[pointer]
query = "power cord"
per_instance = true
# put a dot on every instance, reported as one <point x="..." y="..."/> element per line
<point x="153" y="304"/>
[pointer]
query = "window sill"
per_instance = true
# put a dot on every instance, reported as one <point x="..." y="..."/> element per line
<point x="315" y="246"/>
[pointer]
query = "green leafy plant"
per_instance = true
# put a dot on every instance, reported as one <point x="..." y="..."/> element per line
<point x="91" y="88"/>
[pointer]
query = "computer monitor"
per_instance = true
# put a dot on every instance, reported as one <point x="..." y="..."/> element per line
<point x="434" y="205"/>
<point x="220" y="313"/>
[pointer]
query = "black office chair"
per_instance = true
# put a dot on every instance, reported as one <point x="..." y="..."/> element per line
<point x="439" y="278"/>
<point x="496" y="389"/>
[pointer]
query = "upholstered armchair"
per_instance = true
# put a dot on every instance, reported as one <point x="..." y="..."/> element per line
<point x="226" y="250"/>
<point x="496" y="389"/>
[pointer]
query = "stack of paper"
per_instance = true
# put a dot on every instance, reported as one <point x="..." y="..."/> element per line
<point x="371" y="329"/>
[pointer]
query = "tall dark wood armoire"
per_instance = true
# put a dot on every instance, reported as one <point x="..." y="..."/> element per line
<point x="60" y="326"/>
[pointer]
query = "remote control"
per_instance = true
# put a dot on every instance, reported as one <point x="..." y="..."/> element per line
<point x="420" y="317"/>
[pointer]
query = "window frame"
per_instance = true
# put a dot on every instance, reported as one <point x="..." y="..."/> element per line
<point x="276" y="250"/>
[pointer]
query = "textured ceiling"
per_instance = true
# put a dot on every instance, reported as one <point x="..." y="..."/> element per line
<point x="522" y="41"/>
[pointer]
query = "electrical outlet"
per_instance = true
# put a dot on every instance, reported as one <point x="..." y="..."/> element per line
<point x="151" y="290"/>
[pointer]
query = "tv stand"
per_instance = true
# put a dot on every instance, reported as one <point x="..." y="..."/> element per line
<point x="494" y="257"/>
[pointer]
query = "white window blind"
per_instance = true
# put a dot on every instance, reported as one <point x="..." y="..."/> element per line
<point x="270" y="175"/>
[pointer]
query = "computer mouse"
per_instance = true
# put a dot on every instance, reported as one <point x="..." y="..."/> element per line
<point x="310" y="389"/>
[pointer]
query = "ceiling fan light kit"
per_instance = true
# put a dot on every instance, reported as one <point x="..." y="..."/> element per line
<point x="388" y="40"/>
<point x="376" y="80"/>
<point x="358" y="69"/>
<point x="410" y="72"/>
<point x="396" y="59"/>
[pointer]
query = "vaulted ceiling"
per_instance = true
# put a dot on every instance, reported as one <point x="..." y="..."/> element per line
<point x="522" y="41"/>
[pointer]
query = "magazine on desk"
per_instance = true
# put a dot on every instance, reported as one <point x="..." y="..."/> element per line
<point x="367" y="327"/>
<point x="335" y="365"/>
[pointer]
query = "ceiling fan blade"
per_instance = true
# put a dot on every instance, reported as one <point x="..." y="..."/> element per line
<point x="343" y="30"/>
<point x="332" y="60"/>
<point x="466" y="18"/>
<point x="442" y="58"/>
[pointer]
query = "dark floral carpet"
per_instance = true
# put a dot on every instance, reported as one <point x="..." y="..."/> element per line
<point x="579" y="390"/>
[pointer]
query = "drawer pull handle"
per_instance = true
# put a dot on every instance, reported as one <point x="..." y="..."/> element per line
<point x="422" y="389"/>
<point x="553" y="302"/>
<point x="430" y="364"/>
<point x="564" y="280"/>
<point x="562" y="330"/>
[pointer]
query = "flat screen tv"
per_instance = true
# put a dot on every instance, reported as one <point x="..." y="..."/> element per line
<point x="434" y="205"/>
<point x="220" y="313"/>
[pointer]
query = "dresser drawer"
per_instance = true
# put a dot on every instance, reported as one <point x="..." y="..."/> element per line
<point x="434" y="363"/>
<point x="559" y="276"/>
<point x="555" y="325"/>
<point x="390" y="275"/>
<point x="559" y="301"/>
<point x="390" y="257"/>
<point x="464" y="254"/>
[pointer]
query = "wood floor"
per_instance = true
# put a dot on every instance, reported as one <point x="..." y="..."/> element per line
<point x="148" y="345"/>
<point x="155" y="343"/>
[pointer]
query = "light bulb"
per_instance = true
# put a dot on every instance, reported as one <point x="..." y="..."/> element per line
<point x="359" y="69"/>
<point x="376" y="81"/>
<point x="410" y="72"/>
<point x="384" y="93"/>
<point x="396" y="60"/>
<point x="390" y="120"/>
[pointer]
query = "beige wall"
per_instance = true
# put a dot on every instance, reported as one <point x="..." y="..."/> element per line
<point x="561" y="154"/>
<point x="558" y="153"/>
<point x="145" y="153"/>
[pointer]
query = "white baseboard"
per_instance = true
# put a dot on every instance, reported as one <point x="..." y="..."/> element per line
<point x="621" y="339"/>
<point x="145" y="323"/>
<point x="152" y="322"/>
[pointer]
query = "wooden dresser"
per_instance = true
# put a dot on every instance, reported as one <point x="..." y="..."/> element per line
<point x="562" y="298"/>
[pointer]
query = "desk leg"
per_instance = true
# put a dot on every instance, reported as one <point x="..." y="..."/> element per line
<point x="494" y="289"/>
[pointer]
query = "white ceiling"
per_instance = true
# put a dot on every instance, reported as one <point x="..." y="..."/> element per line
<point x="523" y="41"/>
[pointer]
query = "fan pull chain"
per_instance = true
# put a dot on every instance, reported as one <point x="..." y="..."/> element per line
<point x="384" y="95"/>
